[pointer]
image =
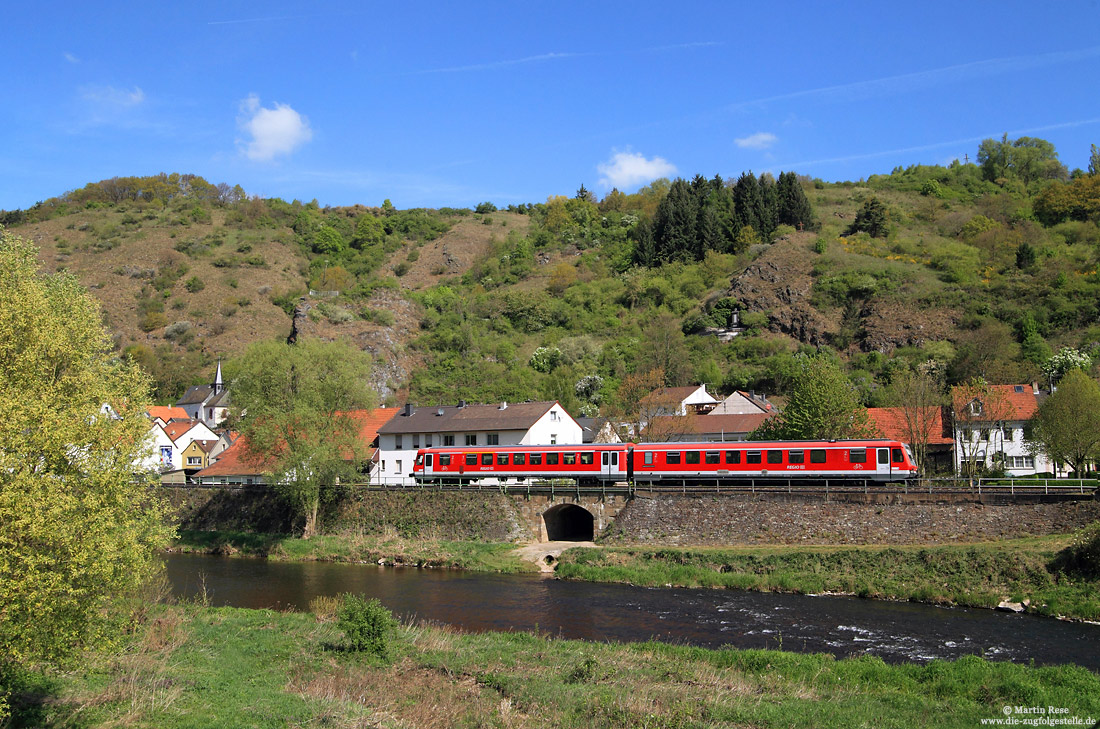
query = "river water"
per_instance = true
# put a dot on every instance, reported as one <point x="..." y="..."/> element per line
<point x="843" y="626"/>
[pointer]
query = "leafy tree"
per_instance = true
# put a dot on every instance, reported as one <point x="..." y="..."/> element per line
<point x="822" y="404"/>
<point x="368" y="232"/>
<point x="1064" y="361"/>
<point x="1067" y="424"/>
<point x="919" y="395"/>
<point x="77" y="530"/>
<point x="1025" y="158"/>
<point x="293" y="406"/>
<point x="871" y="219"/>
<point x="327" y="240"/>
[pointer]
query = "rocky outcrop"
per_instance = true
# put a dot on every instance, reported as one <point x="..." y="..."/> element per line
<point x="779" y="284"/>
<point x="386" y="343"/>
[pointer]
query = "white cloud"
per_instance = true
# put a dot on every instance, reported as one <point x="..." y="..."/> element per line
<point x="760" y="140"/>
<point x="71" y="58"/>
<point x="629" y="169"/>
<point x="108" y="97"/>
<point x="276" y="131"/>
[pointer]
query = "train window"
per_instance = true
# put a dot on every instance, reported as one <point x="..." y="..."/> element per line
<point x="796" y="456"/>
<point x="857" y="455"/>
<point x="569" y="459"/>
<point x="714" y="457"/>
<point x="752" y="456"/>
<point x="536" y="459"/>
<point x="775" y="456"/>
<point x="551" y="459"/>
<point x="883" y="455"/>
<point x="672" y="457"/>
<point x="519" y="459"/>
<point x="444" y="459"/>
<point x="647" y="458"/>
<point x="430" y="460"/>
<point x="896" y="456"/>
<point x="587" y="459"/>
<point x="502" y="459"/>
<point x="817" y="455"/>
<point x="486" y="459"/>
<point x="733" y="456"/>
<point x="692" y="457"/>
<point x="614" y="459"/>
<point x="471" y="459"/>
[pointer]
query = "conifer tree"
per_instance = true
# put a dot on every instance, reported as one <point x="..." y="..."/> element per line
<point x="748" y="202"/>
<point x="793" y="207"/>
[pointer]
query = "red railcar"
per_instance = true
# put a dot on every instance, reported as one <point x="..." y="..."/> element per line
<point x="875" y="460"/>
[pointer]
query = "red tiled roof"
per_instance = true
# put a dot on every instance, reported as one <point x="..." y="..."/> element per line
<point x="234" y="461"/>
<point x="370" y="421"/>
<point x="167" y="412"/>
<point x="177" y="429"/>
<point x="1020" y="405"/>
<point x="664" y="425"/>
<point x="890" y="423"/>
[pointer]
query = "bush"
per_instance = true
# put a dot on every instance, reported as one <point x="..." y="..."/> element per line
<point x="1083" y="555"/>
<point x="195" y="284"/>
<point x="367" y="625"/>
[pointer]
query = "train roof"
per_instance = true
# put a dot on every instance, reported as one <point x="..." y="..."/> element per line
<point x="672" y="445"/>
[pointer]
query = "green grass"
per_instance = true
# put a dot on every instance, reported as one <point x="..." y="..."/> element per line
<point x="978" y="575"/>
<point x="354" y="547"/>
<point x="191" y="666"/>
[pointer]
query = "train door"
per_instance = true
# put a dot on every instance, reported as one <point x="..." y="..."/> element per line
<point x="609" y="465"/>
<point x="884" y="465"/>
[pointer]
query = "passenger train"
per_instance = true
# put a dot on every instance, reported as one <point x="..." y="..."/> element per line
<point x="590" y="464"/>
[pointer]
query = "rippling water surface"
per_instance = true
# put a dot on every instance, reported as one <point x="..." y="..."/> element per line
<point x="842" y="626"/>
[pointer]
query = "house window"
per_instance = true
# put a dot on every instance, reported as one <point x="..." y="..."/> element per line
<point x="554" y="416"/>
<point x="553" y="439"/>
<point x="1009" y="434"/>
<point x="471" y="439"/>
<point x="493" y="439"/>
<point x="1020" y="462"/>
<point x="448" y="440"/>
<point x="398" y="464"/>
<point x="427" y="441"/>
<point x="211" y="415"/>
<point x="383" y="466"/>
<point x="194" y="460"/>
<point x="397" y="442"/>
<point x="166" y="455"/>
<point x="416" y="440"/>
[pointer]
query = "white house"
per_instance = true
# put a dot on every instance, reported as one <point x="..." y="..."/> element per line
<point x="525" y="423"/>
<point x="678" y="401"/>
<point x="180" y="435"/>
<point x="208" y="403"/>
<point x="159" y="449"/>
<point x="743" y="403"/>
<point x="990" y="430"/>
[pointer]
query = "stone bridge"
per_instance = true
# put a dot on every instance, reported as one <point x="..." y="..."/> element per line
<point x="572" y="517"/>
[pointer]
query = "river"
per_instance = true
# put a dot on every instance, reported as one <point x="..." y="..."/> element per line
<point x="843" y="626"/>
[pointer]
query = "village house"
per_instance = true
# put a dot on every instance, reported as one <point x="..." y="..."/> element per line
<point x="932" y="425"/>
<point x="525" y="423"/>
<point x="165" y="414"/>
<point x="678" y="401"/>
<point x="208" y="403"/>
<point x="196" y="456"/>
<point x="989" y="429"/>
<point x="181" y="434"/>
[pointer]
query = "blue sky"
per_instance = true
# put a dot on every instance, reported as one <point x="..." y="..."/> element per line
<point x="451" y="104"/>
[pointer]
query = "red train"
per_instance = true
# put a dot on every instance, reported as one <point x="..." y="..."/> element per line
<point x="873" y="460"/>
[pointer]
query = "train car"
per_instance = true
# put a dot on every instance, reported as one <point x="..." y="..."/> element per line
<point x="865" y="460"/>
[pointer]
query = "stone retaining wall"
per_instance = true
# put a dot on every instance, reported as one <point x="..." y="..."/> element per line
<point x="731" y="520"/>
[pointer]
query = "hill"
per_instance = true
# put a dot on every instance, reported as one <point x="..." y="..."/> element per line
<point x="983" y="271"/>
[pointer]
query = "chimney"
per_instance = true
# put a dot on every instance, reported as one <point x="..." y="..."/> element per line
<point x="462" y="403"/>
<point x="1035" y="388"/>
<point x="408" y="409"/>
<point x="439" y="411"/>
<point x="503" y="406"/>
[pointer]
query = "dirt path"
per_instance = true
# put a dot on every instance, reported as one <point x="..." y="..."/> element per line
<point x="546" y="554"/>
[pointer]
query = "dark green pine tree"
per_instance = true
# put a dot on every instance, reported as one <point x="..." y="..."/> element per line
<point x="871" y="219"/>
<point x="645" y="246"/>
<point x="769" y="208"/>
<point x="748" y="202"/>
<point x="794" y="207"/>
<point x="674" y="224"/>
<point x="584" y="194"/>
<point x="711" y="236"/>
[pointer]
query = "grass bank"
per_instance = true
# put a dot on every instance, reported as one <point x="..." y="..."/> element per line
<point x="192" y="666"/>
<point x="978" y="575"/>
<point x="391" y="548"/>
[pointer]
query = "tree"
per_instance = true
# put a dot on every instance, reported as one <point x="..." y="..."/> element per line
<point x="293" y="406"/>
<point x="980" y="412"/>
<point x="919" y="395"/>
<point x="1067" y="425"/>
<point x="77" y="530"/>
<point x="793" y="207"/>
<point x="1025" y="158"/>
<point x="1094" y="160"/>
<point x="1064" y="361"/>
<point x="822" y="405"/>
<point x="871" y="219"/>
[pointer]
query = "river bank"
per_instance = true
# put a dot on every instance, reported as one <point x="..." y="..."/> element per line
<point x="1031" y="572"/>
<point x="190" y="665"/>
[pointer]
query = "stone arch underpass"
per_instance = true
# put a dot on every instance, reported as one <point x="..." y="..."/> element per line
<point x="569" y="523"/>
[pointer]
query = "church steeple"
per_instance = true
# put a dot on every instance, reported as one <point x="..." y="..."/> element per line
<point x="218" y="386"/>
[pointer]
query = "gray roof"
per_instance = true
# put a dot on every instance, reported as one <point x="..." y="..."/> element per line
<point x="469" y="418"/>
<point x="204" y="395"/>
